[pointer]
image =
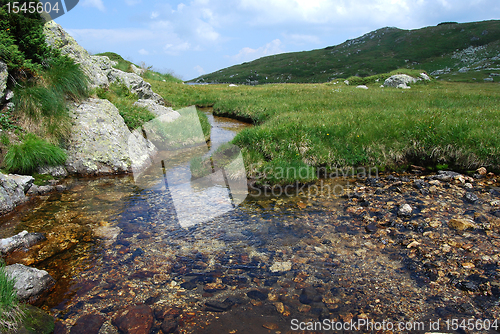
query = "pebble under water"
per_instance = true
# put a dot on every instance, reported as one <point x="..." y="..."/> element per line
<point x="274" y="264"/>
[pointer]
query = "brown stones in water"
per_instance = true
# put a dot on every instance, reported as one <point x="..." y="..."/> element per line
<point x="135" y="319"/>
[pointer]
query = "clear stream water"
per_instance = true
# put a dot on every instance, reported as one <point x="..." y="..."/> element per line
<point x="278" y="257"/>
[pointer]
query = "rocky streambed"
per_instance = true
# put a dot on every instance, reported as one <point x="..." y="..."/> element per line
<point x="395" y="248"/>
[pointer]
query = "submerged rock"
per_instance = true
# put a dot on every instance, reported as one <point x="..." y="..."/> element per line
<point x="135" y="319"/>
<point x="461" y="224"/>
<point x="23" y="239"/>
<point x="405" y="210"/>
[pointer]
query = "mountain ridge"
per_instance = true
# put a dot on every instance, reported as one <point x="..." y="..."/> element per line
<point x="379" y="51"/>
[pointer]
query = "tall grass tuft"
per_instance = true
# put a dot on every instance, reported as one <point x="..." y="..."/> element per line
<point x="10" y="313"/>
<point x="31" y="153"/>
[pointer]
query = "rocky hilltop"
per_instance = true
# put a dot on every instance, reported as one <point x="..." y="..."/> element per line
<point x="459" y="51"/>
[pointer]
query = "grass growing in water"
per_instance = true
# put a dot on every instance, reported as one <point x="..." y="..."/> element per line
<point x="31" y="153"/>
<point x="335" y="126"/>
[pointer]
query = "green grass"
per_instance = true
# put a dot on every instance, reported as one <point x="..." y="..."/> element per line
<point x="40" y="103"/>
<point x="149" y="74"/>
<point x="120" y="96"/>
<point x="334" y="126"/>
<point x="10" y="312"/>
<point x="182" y="132"/>
<point x="31" y="153"/>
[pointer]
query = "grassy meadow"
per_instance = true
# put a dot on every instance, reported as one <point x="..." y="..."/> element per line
<point x="437" y="124"/>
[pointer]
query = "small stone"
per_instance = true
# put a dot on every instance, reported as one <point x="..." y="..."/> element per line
<point x="216" y="306"/>
<point x="435" y="223"/>
<point x="405" y="210"/>
<point x="169" y="325"/>
<point x="257" y="295"/>
<point x="371" y="228"/>
<point x="468" y="185"/>
<point x="88" y="324"/>
<point x="413" y="244"/>
<point x="471" y="197"/>
<point x="304" y="308"/>
<point x="468" y="265"/>
<point x="310" y="295"/>
<point x="280" y="307"/>
<point x="270" y="325"/>
<point x="281" y="266"/>
<point x="482" y="171"/>
<point x="214" y="287"/>
<point x="461" y="224"/>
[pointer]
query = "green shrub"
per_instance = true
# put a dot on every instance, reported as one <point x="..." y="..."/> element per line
<point x="32" y="153"/>
<point x="22" y="42"/>
<point x="10" y="313"/>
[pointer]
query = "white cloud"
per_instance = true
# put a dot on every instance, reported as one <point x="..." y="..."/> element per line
<point x="248" y="54"/>
<point x="94" y="3"/>
<point x="199" y="69"/>
<point x="176" y="49"/>
<point x="154" y="15"/>
<point x="132" y="2"/>
<point x="143" y="52"/>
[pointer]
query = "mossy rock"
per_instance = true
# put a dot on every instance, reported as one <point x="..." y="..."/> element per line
<point x="36" y="321"/>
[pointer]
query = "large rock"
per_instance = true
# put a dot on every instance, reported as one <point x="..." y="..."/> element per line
<point x="156" y="109"/>
<point x="4" y="75"/>
<point x="96" y="67"/>
<point x="99" y="69"/>
<point x="399" y="81"/>
<point x="12" y="190"/>
<point x="30" y="283"/>
<point x="100" y="144"/>
<point x="21" y="240"/>
<point x="135" y="84"/>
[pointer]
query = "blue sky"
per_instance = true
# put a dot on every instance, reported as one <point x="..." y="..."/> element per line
<point x="194" y="37"/>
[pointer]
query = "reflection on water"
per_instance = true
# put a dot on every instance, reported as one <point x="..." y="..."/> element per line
<point x="112" y="242"/>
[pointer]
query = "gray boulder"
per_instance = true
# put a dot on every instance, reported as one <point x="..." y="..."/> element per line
<point x="30" y="282"/>
<point x="55" y="171"/>
<point x="135" y="84"/>
<point x="96" y="67"/>
<point x="399" y="81"/>
<point x="137" y="70"/>
<point x="4" y="75"/>
<point x="156" y="109"/>
<point x="12" y="191"/>
<point x="99" y="142"/>
<point x="21" y="240"/>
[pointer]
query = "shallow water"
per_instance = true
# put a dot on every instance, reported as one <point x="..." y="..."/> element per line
<point x="305" y="257"/>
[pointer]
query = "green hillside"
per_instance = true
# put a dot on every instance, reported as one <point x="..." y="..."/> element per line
<point x="455" y="51"/>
